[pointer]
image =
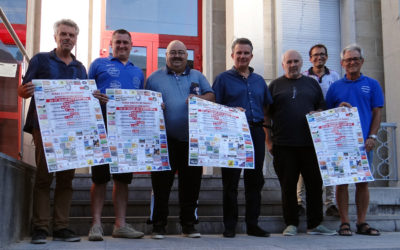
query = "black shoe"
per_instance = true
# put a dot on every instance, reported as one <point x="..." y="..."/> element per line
<point x="332" y="211"/>
<point x="39" y="236"/>
<point x="301" y="210"/>
<point x="158" y="232"/>
<point x="65" y="234"/>
<point x="257" y="231"/>
<point x="190" y="231"/>
<point x="229" y="233"/>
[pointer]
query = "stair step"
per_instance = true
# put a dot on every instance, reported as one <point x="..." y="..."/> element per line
<point x="214" y="225"/>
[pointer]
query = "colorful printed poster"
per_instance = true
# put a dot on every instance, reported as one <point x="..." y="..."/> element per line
<point x="71" y="124"/>
<point x="219" y="136"/>
<point x="136" y="131"/>
<point x="339" y="145"/>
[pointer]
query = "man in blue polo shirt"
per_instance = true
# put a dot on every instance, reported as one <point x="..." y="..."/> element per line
<point x="365" y="93"/>
<point x="241" y="87"/>
<point x="115" y="72"/>
<point x="177" y="82"/>
<point x="57" y="64"/>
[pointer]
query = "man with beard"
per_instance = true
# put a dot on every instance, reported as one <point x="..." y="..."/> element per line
<point x="325" y="77"/>
<point x="294" y="96"/>
<point x="241" y="87"/>
<point x="115" y="72"/>
<point x="177" y="82"/>
<point x="57" y="64"/>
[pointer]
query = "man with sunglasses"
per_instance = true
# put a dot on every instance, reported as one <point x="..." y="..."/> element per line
<point x="325" y="77"/>
<point x="365" y="93"/>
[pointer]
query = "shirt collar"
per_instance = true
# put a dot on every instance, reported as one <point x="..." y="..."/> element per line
<point x="170" y="71"/>
<point x="350" y="81"/>
<point x="111" y="58"/>
<point x="235" y="71"/>
<point x="311" y="72"/>
<point x="53" y="55"/>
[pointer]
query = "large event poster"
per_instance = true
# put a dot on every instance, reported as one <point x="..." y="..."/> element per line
<point x="71" y="124"/>
<point x="219" y="136"/>
<point x="136" y="131"/>
<point x="339" y="145"/>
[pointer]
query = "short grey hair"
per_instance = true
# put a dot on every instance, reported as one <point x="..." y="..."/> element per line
<point x="67" y="22"/>
<point x="291" y="50"/>
<point x="352" y="47"/>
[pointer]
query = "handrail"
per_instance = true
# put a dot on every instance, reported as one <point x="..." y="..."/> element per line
<point x="14" y="36"/>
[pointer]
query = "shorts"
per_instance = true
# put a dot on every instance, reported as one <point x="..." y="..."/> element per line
<point x="101" y="174"/>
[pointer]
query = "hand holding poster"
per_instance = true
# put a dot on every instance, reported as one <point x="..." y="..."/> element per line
<point x="339" y="145"/>
<point x="71" y="124"/>
<point x="136" y="131"/>
<point x="219" y="136"/>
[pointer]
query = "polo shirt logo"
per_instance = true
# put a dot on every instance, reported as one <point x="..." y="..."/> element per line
<point x="366" y="89"/>
<point x="114" y="72"/>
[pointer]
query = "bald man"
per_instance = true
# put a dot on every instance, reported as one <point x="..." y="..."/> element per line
<point x="177" y="82"/>
<point x="295" y="95"/>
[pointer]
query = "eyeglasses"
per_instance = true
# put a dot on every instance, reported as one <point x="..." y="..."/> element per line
<point x="179" y="52"/>
<point x="320" y="55"/>
<point x="353" y="59"/>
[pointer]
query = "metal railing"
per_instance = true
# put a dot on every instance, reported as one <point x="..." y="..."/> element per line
<point x="384" y="166"/>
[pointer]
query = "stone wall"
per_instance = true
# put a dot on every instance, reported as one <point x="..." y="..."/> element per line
<point x="15" y="199"/>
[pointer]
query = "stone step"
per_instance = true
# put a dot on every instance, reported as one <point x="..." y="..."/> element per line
<point x="142" y="208"/>
<point x="214" y="225"/>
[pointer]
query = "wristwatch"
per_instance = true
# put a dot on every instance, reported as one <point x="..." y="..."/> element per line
<point x="372" y="136"/>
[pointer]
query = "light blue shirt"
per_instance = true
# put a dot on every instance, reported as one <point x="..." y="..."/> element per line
<point x="175" y="90"/>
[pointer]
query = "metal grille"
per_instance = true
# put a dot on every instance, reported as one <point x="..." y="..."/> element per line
<point x="384" y="166"/>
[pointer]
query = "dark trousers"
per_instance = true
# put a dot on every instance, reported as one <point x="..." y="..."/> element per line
<point x="41" y="215"/>
<point x="253" y="184"/>
<point x="189" y="180"/>
<point x="289" y="162"/>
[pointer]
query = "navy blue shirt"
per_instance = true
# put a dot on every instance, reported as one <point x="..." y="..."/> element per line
<point x="251" y="93"/>
<point x="47" y="65"/>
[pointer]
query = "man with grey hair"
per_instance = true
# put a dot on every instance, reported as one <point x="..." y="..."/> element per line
<point x="295" y="95"/>
<point x="59" y="63"/>
<point x="365" y="93"/>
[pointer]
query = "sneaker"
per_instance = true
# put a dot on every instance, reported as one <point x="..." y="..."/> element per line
<point x="39" y="236"/>
<point x="126" y="232"/>
<point x="65" y="234"/>
<point x="190" y="231"/>
<point x="290" y="231"/>
<point x="257" y="231"/>
<point x="321" y="230"/>
<point x="332" y="211"/>
<point x="158" y="232"/>
<point x="96" y="233"/>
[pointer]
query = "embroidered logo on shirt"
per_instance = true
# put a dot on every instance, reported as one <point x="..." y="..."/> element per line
<point x="115" y="85"/>
<point x="366" y="89"/>
<point x="136" y="82"/>
<point x="114" y="72"/>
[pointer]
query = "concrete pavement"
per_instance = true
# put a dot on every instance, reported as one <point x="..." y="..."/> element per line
<point x="387" y="240"/>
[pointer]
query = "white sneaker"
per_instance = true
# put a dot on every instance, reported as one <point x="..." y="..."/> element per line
<point x="290" y="230"/>
<point x="321" y="230"/>
<point x="96" y="233"/>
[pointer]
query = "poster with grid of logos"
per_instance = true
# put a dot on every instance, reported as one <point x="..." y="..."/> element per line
<point x="339" y="145"/>
<point x="136" y="131"/>
<point x="219" y="136"/>
<point x="71" y="124"/>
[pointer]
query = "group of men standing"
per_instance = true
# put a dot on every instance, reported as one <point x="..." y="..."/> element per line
<point x="279" y="110"/>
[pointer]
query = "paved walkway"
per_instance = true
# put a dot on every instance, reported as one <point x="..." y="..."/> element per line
<point x="388" y="240"/>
